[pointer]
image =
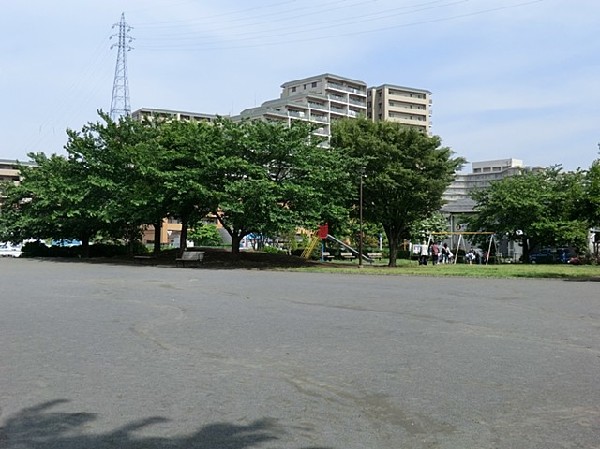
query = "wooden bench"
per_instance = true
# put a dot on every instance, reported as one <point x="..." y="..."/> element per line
<point x="327" y="256"/>
<point x="190" y="258"/>
<point x="145" y="259"/>
<point x="347" y="256"/>
<point x="377" y="256"/>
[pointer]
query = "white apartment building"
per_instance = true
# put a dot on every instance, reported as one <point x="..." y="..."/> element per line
<point x="168" y="114"/>
<point x="320" y="99"/>
<point x="482" y="174"/>
<point x="405" y="105"/>
<point x="10" y="171"/>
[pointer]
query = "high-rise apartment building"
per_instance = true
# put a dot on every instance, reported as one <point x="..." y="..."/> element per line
<point x="320" y="99"/>
<point x="324" y="98"/>
<point x="167" y="114"/>
<point x="405" y="105"/>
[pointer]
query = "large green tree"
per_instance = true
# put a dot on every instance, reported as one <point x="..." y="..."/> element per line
<point x="186" y="170"/>
<point x="405" y="173"/>
<point x="116" y="160"/>
<point x="272" y="178"/>
<point x="539" y="208"/>
<point x="590" y="203"/>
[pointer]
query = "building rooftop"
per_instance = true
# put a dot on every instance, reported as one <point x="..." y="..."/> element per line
<point x="324" y="75"/>
<point x="396" y="86"/>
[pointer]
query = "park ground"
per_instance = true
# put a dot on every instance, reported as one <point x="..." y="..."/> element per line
<point x="116" y="355"/>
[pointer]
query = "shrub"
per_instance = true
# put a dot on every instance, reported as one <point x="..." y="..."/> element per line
<point x="35" y="249"/>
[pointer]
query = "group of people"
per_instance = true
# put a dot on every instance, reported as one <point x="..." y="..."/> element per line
<point x="436" y="252"/>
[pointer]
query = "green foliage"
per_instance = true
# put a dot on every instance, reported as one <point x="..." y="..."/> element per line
<point x="206" y="235"/>
<point x="405" y="173"/>
<point x="272" y="178"/>
<point x="436" y="222"/>
<point x="590" y="198"/>
<point x="541" y="208"/>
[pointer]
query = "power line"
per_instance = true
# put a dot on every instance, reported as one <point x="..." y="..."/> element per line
<point x="243" y="42"/>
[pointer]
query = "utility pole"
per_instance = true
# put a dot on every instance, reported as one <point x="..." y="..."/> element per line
<point x="119" y="105"/>
<point x="360" y="213"/>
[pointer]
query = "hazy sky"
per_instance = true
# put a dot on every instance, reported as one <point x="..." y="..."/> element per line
<point x="510" y="78"/>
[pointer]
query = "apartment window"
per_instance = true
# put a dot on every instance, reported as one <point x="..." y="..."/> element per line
<point x="293" y="89"/>
<point x="314" y="84"/>
<point x="305" y="87"/>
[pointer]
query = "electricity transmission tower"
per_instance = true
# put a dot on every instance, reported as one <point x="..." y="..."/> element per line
<point x="119" y="105"/>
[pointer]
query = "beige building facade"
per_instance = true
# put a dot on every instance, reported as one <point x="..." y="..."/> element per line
<point x="10" y="172"/>
<point x="399" y="104"/>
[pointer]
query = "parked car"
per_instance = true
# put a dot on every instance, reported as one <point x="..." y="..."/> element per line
<point x="552" y="255"/>
<point x="9" y="250"/>
<point x="543" y="256"/>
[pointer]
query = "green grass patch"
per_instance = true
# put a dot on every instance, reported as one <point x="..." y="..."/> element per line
<point x="412" y="268"/>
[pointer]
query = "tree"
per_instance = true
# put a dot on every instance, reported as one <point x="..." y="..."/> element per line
<point x="53" y="201"/>
<point x="206" y="235"/>
<point x="405" y="173"/>
<point x="539" y="208"/>
<point x="271" y="178"/>
<point x="590" y="204"/>
<point x="115" y="161"/>
<point x="187" y="170"/>
<point x="436" y="222"/>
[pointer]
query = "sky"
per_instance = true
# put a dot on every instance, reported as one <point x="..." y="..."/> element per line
<point x="509" y="78"/>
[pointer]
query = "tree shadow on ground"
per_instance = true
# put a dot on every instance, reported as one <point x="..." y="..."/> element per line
<point x="39" y="428"/>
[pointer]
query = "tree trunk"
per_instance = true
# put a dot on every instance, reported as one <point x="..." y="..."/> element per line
<point x="184" y="235"/>
<point x="85" y="246"/>
<point x="525" y="245"/>
<point x="157" y="229"/>
<point x="132" y="237"/>
<point x="393" y="249"/>
<point x="235" y="244"/>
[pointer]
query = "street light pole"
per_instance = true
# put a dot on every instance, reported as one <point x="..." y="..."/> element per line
<point x="360" y="214"/>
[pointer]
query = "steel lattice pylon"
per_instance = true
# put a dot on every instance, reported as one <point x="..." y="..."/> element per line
<point x="120" y="93"/>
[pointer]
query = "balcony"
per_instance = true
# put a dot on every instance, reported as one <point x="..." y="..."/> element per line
<point x="340" y="111"/>
<point x="294" y="113"/>
<point x="318" y="106"/>
<point x="356" y="102"/>
<point x="338" y="98"/>
<point x="343" y="88"/>
<point x="319" y="118"/>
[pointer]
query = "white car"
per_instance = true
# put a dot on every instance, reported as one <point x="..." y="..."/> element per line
<point x="10" y="250"/>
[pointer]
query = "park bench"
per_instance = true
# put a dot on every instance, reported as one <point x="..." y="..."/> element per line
<point x="190" y="258"/>
<point x="144" y="259"/>
<point x="327" y="256"/>
<point x="377" y="256"/>
<point x="347" y="256"/>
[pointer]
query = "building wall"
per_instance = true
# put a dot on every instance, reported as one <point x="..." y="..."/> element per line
<point x="167" y="114"/>
<point x="320" y="100"/>
<point x="483" y="173"/>
<point x="9" y="170"/>
<point x="405" y="105"/>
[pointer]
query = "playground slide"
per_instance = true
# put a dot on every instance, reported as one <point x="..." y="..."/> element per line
<point x="349" y="248"/>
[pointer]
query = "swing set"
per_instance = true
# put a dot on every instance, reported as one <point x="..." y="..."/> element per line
<point x="461" y="239"/>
